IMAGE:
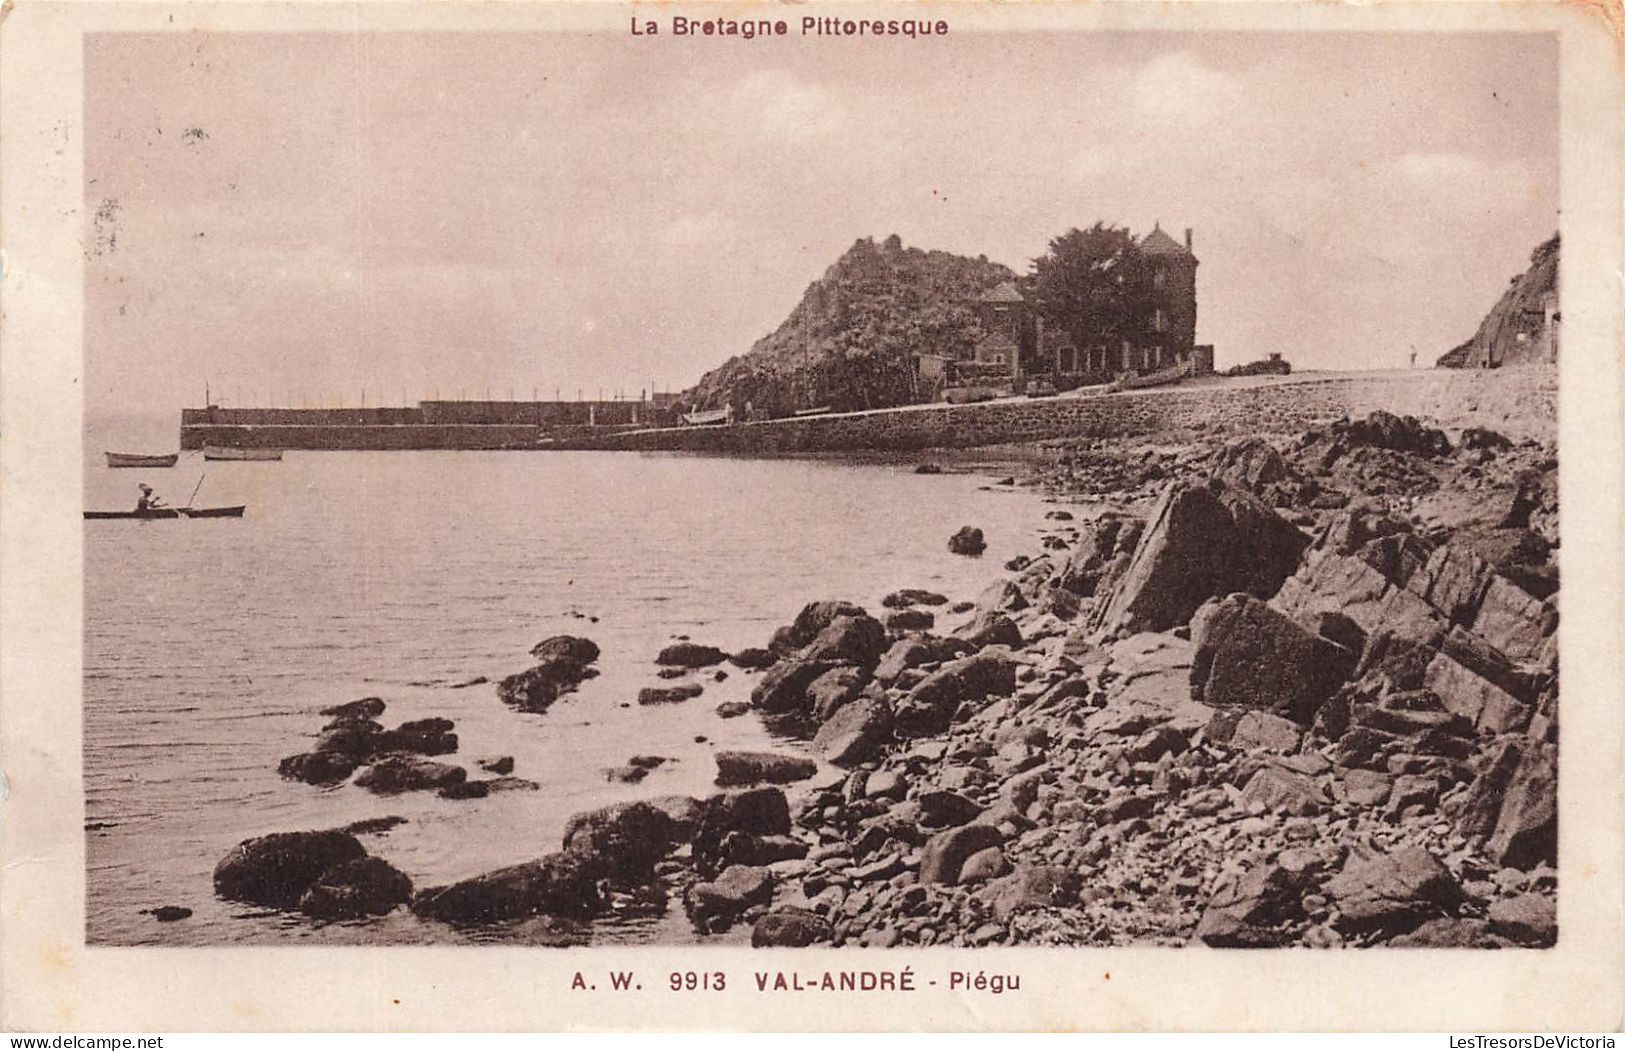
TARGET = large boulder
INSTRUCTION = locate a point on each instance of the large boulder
(1513, 803)
(317, 768)
(791, 928)
(1250, 656)
(915, 651)
(355, 711)
(763, 811)
(561, 884)
(690, 655)
(911, 619)
(967, 541)
(1384, 430)
(394, 774)
(1514, 621)
(834, 689)
(560, 671)
(364, 887)
(810, 622)
(1476, 681)
(276, 870)
(783, 690)
(753, 812)
(1201, 541)
(905, 597)
(623, 841)
(1528, 919)
(357, 738)
(572, 648)
(1102, 552)
(1453, 581)
(990, 628)
(753, 768)
(1277, 788)
(715, 905)
(422, 736)
(1350, 586)
(859, 639)
(929, 707)
(1252, 910)
(753, 658)
(683, 691)
(1029, 887)
(941, 808)
(1386, 894)
(856, 732)
(1257, 466)
(945, 853)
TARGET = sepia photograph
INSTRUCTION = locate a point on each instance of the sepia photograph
(825, 477)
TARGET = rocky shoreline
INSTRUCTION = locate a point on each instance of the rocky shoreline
(1246, 693)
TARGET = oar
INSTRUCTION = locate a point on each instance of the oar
(187, 510)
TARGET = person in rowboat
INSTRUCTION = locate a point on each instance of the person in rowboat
(148, 502)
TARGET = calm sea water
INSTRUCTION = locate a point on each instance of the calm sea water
(210, 645)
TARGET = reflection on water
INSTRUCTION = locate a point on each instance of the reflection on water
(210, 646)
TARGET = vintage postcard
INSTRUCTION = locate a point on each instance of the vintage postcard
(811, 516)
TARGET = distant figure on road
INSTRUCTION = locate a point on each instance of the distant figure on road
(147, 502)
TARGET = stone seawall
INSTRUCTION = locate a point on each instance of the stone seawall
(403, 436)
(1519, 402)
(1263, 407)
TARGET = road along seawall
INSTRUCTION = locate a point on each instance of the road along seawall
(1521, 405)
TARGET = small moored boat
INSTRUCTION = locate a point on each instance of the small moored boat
(172, 512)
(223, 452)
(141, 460)
(710, 417)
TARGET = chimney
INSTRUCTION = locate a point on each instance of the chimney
(1188, 240)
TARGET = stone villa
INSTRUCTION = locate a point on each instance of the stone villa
(1016, 344)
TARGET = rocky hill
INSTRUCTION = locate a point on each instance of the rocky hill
(1515, 331)
(849, 343)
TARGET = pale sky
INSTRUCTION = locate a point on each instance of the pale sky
(463, 213)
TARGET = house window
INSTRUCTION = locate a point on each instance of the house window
(1159, 277)
(1158, 322)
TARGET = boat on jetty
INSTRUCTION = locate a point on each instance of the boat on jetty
(171, 512)
(141, 460)
(231, 452)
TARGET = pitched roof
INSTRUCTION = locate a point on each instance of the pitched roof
(1004, 293)
(1157, 242)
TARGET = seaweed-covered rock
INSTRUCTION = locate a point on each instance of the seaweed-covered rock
(367, 886)
(751, 768)
(623, 841)
(562, 884)
(967, 541)
(276, 870)
(690, 655)
(393, 774)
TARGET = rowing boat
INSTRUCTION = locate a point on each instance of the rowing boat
(172, 512)
(224, 452)
(141, 460)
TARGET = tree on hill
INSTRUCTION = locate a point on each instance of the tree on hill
(1093, 285)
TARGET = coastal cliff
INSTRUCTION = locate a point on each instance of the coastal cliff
(1523, 325)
